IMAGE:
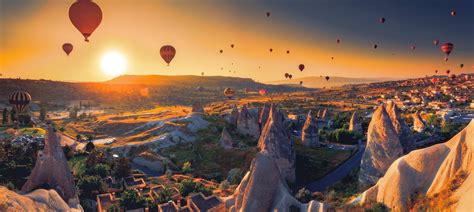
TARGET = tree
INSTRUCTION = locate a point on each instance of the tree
(187, 167)
(5, 116)
(90, 137)
(130, 200)
(78, 137)
(303, 195)
(68, 152)
(42, 115)
(88, 184)
(90, 146)
(235, 176)
(95, 157)
(121, 168)
(101, 170)
(224, 185)
(186, 187)
(164, 195)
(13, 115)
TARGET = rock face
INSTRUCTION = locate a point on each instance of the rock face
(430, 172)
(153, 161)
(418, 124)
(325, 115)
(226, 140)
(247, 124)
(309, 135)
(275, 139)
(355, 125)
(383, 147)
(234, 115)
(51, 168)
(263, 116)
(38, 200)
(197, 107)
(401, 128)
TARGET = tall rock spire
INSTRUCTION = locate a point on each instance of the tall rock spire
(401, 128)
(247, 124)
(309, 135)
(418, 124)
(354, 124)
(51, 169)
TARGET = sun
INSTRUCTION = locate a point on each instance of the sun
(113, 63)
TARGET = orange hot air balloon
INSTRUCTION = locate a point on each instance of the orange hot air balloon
(301, 82)
(290, 76)
(436, 71)
(447, 48)
(221, 51)
(229, 93)
(67, 47)
(436, 42)
(167, 52)
(301, 67)
(286, 75)
(262, 92)
(86, 16)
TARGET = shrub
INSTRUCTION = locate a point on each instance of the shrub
(101, 170)
(88, 184)
(234, 176)
(130, 200)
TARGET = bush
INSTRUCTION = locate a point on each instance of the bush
(303, 195)
(187, 167)
(88, 184)
(164, 195)
(186, 187)
(96, 157)
(90, 146)
(101, 170)
(130, 200)
(235, 176)
(121, 168)
(68, 152)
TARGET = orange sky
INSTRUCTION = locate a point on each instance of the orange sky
(31, 45)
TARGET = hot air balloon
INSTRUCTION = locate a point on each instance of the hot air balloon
(332, 58)
(453, 12)
(434, 80)
(436, 71)
(167, 52)
(262, 92)
(221, 51)
(446, 59)
(462, 65)
(86, 16)
(268, 14)
(231, 45)
(286, 75)
(447, 48)
(290, 76)
(287, 51)
(382, 20)
(229, 93)
(19, 100)
(338, 41)
(327, 78)
(67, 47)
(375, 46)
(301, 82)
(413, 48)
(301, 67)
(436, 42)
(202, 73)
(448, 71)
(271, 50)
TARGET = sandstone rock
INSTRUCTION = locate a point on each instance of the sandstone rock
(51, 168)
(247, 123)
(383, 147)
(309, 135)
(418, 124)
(197, 107)
(226, 140)
(38, 200)
(234, 115)
(355, 125)
(325, 115)
(430, 172)
(263, 116)
(275, 139)
(401, 128)
(153, 161)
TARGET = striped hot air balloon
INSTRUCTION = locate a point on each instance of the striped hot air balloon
(167, 52)
(447, 48)
(19, 100)
(229, 93)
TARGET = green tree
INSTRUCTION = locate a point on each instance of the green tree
(224, 185)
(95, 157)
(164, 195)
(89, 146)
(187, 167)
(186, 187)
(101, 170)
(130, 200)
(234, 176)
(68, 152)
(88, 184)
(303, 195)
(121, 168)
(42, 115)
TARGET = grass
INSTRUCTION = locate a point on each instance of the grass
(77, 165)
(314, 163)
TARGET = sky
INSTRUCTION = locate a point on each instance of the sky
(33, 31)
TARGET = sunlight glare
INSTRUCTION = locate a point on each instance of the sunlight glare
(113, 63)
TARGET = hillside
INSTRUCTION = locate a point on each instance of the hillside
(319, 82)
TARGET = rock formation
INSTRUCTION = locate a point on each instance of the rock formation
(38, 200)
(401, 128)
(51, 169)
(318, 115)
(325, 115)
(247, 123)
(226, 140)
(275, 139)
(442, 172)
(153, 161)
(383, 147)
(355, 125)
(234, 115)
(263, 116)
(197, 107)
(309, 135)
(418, 124)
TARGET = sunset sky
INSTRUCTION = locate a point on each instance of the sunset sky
(33, 31)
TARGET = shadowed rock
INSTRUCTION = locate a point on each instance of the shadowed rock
(197, 107)
(383, 147)
(234, 115)
(263, 116)
(51, 168)
(247, 124)
(418, 124)
(226, 140)
(309, 135)
(325, 115)
(38, 200)
(355, 125)
(401, 128)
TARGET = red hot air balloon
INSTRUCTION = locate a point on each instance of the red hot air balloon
(448, 71)
(447, 48)
(434, 80)
(271, 50)
(231, 45)
(301, 67)
(86, 16)
(67, 47)
(287, 51)
(262, 92)
(19, 100)
(327, 78)
(167, 52)
(338, 41)
(453, 12)
(229, 93)
(436, 42)
(221, 51)
(382, 20)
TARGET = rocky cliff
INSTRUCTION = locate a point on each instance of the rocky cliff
(226, 141)
(355, 124)
(383, 147)
(401, 128)
(309, 135)
(247, 123)
(38, 200)
(234, 115)
(442, 173)
(418, 124)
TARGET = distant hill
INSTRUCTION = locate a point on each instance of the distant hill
(319, 82)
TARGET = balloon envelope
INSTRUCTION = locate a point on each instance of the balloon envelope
(86, 16)
(19, 100)
(327, 78)
(262, 92)
(436, 42)
(301, 67)
(382, 20)
(229, 92)
(447, 48)
(167, 52)
(67, 47)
